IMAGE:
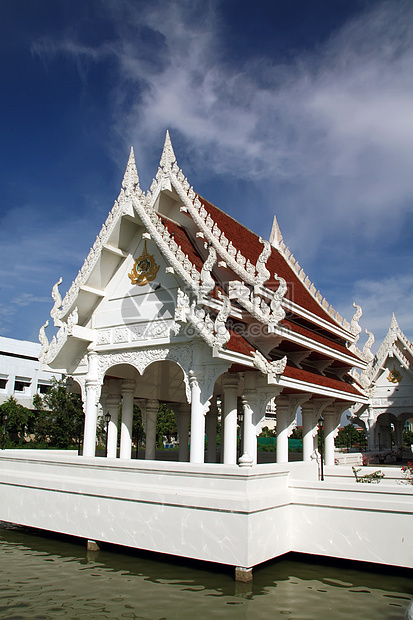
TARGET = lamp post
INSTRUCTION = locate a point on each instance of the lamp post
(137, 439)
(107, 418)
(240, 420)
(4, 430)
(320, 428)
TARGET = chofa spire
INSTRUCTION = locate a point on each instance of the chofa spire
(168, 156)
(276, 236)
(131, 179)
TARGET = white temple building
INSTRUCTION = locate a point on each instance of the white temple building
(177, 302)
(388, 382)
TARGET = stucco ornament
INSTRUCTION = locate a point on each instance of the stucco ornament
(272, 369)
(44, 342)
(255, 301)
(207, 281)
(212, 330)
(355, 328)
(57, 298)
(130, 183)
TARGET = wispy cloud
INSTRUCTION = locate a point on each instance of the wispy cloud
(326, 136)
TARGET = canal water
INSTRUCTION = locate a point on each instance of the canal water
(46, 577)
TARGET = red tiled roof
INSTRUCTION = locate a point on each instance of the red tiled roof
(299, 329)
(182, 239)
(328, 382)
(239, 344)
(249, 245)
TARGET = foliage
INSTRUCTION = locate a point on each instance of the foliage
(59, 419)
(272, 447)
(137, 424)
(408, 472)
(407, 438)
(374, 478)
(14, 422)
(165, 424)
(297, 433)
(266, 432)
(349, 436)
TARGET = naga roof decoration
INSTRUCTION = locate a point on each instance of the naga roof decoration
(227, 272)
(388, 348)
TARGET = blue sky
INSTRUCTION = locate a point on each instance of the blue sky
(295, 108)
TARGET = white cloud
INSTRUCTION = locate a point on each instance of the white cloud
(327, 137)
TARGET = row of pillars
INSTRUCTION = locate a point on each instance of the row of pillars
(202, 416)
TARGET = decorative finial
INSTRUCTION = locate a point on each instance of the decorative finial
(367, 354)
(275, 236)
(57, 298)
(394, 324)
(131, 179)
(355, 328)
(168, 156)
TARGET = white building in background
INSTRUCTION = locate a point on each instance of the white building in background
(388, 380)
(21, 375)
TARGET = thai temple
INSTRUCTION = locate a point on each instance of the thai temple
(177, 303)
(388, 382)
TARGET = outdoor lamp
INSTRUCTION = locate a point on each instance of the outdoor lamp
(320, 425)
(107, 418)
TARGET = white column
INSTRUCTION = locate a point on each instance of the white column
(152, 407)
(211, 432)
(330, 425)
(112, 407)
(309, 431)
(182, 421)
(398, 434)
(197, 419)
(229, 420)
(250, 437)
(282, 435)
(91, 406)
(128, 391)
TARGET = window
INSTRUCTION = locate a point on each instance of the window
(42, 388)
(3, 383)
(21, 383)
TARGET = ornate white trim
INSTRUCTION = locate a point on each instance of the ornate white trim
(214, 333)
(253, 301)
(208, 282)
(254, 275)
(142, 358)
(166, 243)
(272, 369)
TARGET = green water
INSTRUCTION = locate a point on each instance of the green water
(43, 577)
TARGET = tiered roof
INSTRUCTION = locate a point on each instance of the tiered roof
(238, 278)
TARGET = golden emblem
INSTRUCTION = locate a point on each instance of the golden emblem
(394, 376)
(145, 269)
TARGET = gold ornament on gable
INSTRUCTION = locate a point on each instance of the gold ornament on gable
(145, 269)
(394, 376)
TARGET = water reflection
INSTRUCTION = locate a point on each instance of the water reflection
(46, 577)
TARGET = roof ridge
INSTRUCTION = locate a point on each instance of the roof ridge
(289, 257)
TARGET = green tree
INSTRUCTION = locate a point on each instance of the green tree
(165, 424)
(14, 421)
(349, 436)
(407, 437)
(266, 432)
(297, 433)
(60, 416)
